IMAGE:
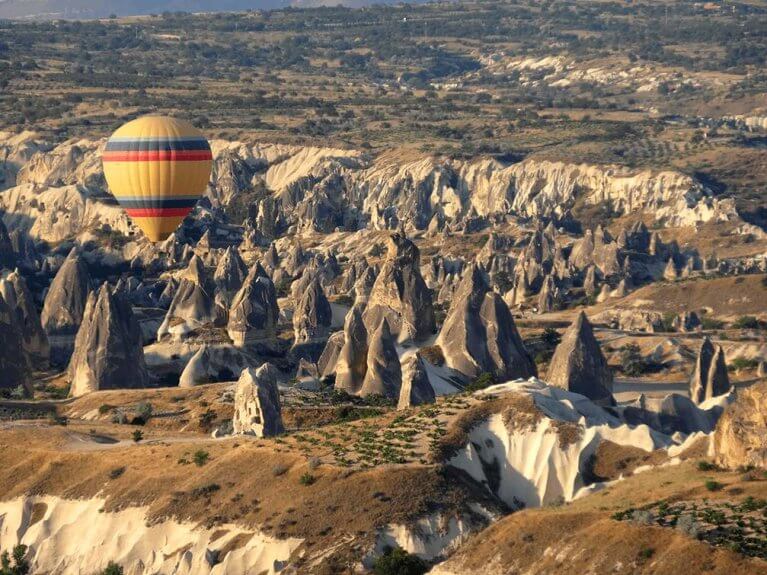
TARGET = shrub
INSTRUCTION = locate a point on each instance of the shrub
(313, 463)
(482, 381)
(116, 472)
(551, 337)
(713, 485)
(105, 408)
(112, 568)
(138, 435)
(646, 552)
(206, 419)
(307, 479)
(632, 362)
(399, 562)
(201, 457)
(707, 466)
(433, 354)
(143, 412)
(746, 322)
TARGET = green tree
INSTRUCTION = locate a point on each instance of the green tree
(399, 562)
(112, 568)
(15, 563)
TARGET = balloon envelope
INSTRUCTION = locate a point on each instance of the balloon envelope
(157, 167)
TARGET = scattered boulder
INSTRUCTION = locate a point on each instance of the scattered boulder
(739, 436)
(108, 351)
(579, 366)
(479, 334)
(709, 378)
(257, 409)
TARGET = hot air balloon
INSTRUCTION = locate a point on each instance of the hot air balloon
(157, 167)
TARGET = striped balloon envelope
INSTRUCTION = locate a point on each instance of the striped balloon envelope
(157, 167)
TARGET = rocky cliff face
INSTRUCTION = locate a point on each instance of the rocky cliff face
(108, 351)
(59, 192)
(14, 365)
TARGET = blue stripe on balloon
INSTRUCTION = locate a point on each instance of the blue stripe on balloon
(157, 203)
(156, 144)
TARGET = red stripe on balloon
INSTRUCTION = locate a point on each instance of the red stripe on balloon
(156, 212)
(158, 156)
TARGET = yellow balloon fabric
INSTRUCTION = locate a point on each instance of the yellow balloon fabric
(157, 167)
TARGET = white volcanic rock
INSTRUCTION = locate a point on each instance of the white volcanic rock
(579, 366)
(35, 341)
(257, 409)
(254, 313)
(15, 151)
(58, 213)
(108, 351)
(479, 334)
(193, 304)
(535, 454)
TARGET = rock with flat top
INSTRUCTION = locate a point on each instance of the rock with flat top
(257, 408)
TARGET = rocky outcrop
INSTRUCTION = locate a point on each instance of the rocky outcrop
(212, 364)
(14, 366)
(257, 408)
(108, 351)
(400, 294)
(194, 305)
(351, 366)
(416, 388)
(312, 316)
(384, 373)
(228, 277)
(479, 334)
(739, 436)
(709, 378)
(66, 298)
(34, 339)
(254, 312)
(687, 321)
(579, 366)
